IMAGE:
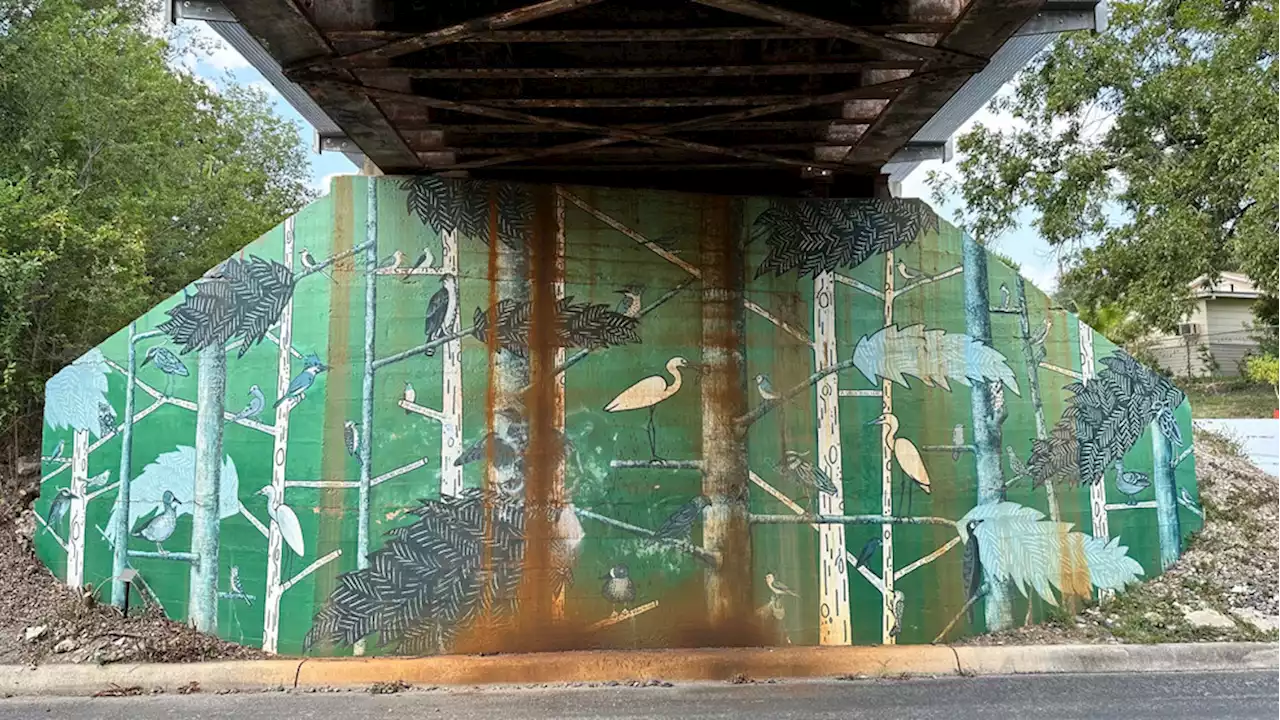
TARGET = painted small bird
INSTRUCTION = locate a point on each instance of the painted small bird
(106, 417)
(351, 437)
(168, 363)
(393, 264)
(906, 273)
(1188, 502)
(158, 527)
(252, 408)
(442, 309)
(679, 526)
(647, 393)
(99, 480)
(798, 468)
(897, 608)
(237, 588)
(618, 588)
(1041, 334)
(1005, 296)
(765, 388)
(1130, 483)
(868, 551)
(777, 587)
(303, 380)
(58, 509)
(998, 408)
(58, 449)
(285, 518)
(1168, 422)
(425, 260)
(971, 567)
(309, 263)
(1017, 468)
(630, 303)
(410, 396)
(957, 442)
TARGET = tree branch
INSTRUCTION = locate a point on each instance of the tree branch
(321, 266)
(926, 280)
(684, 545)
(382, 362)
(808, 519)
(764, 407)
(858, 285)
(656, 464)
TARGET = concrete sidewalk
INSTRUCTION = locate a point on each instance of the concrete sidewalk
(610, 665)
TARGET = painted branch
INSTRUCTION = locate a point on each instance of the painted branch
(1033, 384)
(1144, 505)
(102, 491)
(947, 448)
(778, 322)
(335, 258)
(858, 285)
(244, 511)
(61, 543)
(135, 339)
(861, 393)
(656, 464)
(276, 339)
(398, 472)
(1062, 371)
(768, 406)
(323, 484)
(1183, 456)
(186, 557)
(956, 619)
(682, 545)
(411, 352)
(624, 615)
(928, 279)
(607, 220)
(422, 410)
(237, 596)
(808, 519)
(903, 572)
(310, 569)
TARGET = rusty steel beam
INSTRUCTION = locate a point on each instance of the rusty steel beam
(443, 36)
(626, 151)
(832, 29)
(641, 102)
(505, 73)
(616, 134)
(643, 34)
(759, 125)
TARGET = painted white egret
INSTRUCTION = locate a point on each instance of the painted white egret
(647, 393)
(908, 457)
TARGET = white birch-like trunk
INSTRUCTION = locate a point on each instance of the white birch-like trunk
(451, 372)
(76, 513)
(834, 574)
(275, 541)
(558, 412)
(1097, 490)
(887, 619)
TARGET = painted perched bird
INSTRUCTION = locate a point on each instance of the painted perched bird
(679, 526)
(351, 436)
(285, 518)
(58, 509)
(908, 457)
(1130, 483)
(868, 551)
(647, 393)
(765, 388)
(897, 608)
(425, 259)
(168, 363)
(158, 527)
(1167, 422)
(1038, 337)
(58, 449)
(630, 304)
(392, 264)
(905, 272)
(618, 588)
(106, 417)
(971, 568)
(410, 396)
(99, 480)
(252, 408)
(1188, 502)
(1005, 296)
(1017, 468)
(777, 587)
(303, 380)
(797, 467)
(237, 588)
(309, 263)
(442, 308)
(957, 440)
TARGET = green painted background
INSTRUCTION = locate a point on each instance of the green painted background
(328, 320)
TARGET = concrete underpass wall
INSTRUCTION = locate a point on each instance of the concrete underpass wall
(465, 417)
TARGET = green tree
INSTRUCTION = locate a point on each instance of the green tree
(1147, 154)
(121, 179)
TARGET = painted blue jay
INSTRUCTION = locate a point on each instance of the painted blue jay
(303, 380)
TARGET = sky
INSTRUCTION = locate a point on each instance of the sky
(218, 63)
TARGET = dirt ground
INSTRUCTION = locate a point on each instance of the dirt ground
(1227, 575)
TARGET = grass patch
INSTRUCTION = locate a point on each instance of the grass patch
(1229, 398)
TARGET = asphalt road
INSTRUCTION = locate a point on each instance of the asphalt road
(1224, 696)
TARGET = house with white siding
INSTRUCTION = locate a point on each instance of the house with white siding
(1217, 330)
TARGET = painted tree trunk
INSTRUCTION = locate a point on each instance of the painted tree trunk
(202, 609)
(833, 573)
(1170, 532)
(558, 498)
(986, 428)
(279, 454)
(451, 374)
(1097, 488)
(79, 503)
(723, 384)
(366, 381)
(887, 561)
(1033, 383)
(120, 540)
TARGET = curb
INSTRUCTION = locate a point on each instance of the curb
(609, 665)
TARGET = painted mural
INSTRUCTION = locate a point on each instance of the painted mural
(430, 416)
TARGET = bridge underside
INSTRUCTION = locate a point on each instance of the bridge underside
(794, 97)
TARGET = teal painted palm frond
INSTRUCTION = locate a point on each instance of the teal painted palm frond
(1016, 543)
(814, 236)
(462, 205)
(72, 398)
(936, 357)
(175, 471)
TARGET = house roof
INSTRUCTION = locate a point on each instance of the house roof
(1228, 285)
(790, 97)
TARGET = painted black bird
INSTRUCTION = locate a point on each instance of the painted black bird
(618, 588)
(680, 525)
(442, 308)
(58, 509)
(971, 568)
(868, 551)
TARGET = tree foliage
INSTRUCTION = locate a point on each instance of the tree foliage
(1147, 154)
(121, 180)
